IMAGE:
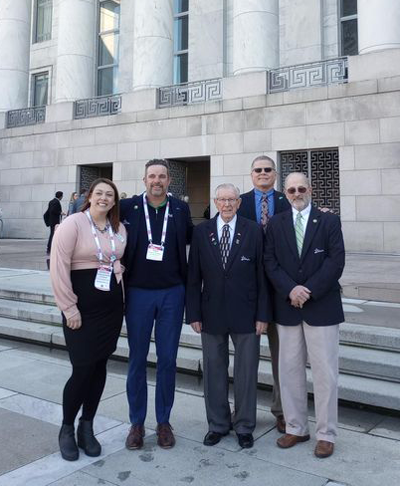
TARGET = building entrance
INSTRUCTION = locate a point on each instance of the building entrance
(191, 182)
(89, 173)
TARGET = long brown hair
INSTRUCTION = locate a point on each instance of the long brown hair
(113, 213)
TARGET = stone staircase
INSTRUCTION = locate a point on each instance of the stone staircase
(369, 354)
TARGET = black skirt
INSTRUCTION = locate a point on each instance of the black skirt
(101, 313)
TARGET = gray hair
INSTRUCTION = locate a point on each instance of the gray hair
(306, 179)
(227, 186)
(266, 158)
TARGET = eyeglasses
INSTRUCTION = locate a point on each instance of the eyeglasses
(224, 201)
(300, 190)
(267, 170)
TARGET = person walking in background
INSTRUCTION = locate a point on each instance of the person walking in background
(72, 199)
(304, 259)
(79, 202)
(86, 275)
(123, 195)
(259, 205)
(159, 227)
(54, 216)
(227, 297)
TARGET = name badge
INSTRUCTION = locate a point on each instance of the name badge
(155, 253)
(103, 278)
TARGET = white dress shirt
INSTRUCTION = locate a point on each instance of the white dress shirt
(305, 215)
(232, 225)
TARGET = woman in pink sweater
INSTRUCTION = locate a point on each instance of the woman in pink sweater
(86, 276)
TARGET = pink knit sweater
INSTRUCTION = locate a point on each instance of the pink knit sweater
(74, 248)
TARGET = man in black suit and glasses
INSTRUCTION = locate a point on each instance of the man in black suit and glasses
(259, 205)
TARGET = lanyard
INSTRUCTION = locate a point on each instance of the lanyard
(113, 256)
(147, 218)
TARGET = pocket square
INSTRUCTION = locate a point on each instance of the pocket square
(318, 250)
(244, 259)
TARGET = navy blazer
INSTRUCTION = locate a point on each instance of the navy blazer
(230, 299)
(318, 268)
(248, 206)
(131, 209)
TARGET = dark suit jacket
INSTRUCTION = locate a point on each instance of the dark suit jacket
(319, 268)
(248, 206)
(131, 209)
(55, 211)
(229, 300)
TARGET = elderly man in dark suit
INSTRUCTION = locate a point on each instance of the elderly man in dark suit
(226, 296)
(304, 256)
(259, 205)
(55, 212)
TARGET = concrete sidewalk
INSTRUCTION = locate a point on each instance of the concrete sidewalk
(31, 383)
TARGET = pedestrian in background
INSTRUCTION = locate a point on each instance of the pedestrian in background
(86, 276)
(72, 199)
(54, 213)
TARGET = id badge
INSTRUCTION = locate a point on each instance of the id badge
(103, 278)
(155, 253)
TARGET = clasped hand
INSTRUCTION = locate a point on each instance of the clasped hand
(299, 296)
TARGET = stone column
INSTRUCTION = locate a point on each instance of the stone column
(76, 50)
(255, 35)
(15, 23)
(378, 25)
(153, 45)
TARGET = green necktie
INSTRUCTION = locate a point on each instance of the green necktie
(299, 230)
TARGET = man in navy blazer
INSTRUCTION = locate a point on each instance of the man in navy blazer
(227, 297)
(158, 228)
(263, 176)
(304, 258)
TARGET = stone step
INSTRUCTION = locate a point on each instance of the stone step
(379, 338)
(357, 389)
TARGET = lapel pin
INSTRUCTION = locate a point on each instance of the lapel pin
(135, 207)
(315, 221)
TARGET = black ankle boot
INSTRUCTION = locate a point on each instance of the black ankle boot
(66, 439)
(86, 439)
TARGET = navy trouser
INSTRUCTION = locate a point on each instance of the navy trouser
(144, 308)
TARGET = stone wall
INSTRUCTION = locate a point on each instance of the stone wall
(361, 119)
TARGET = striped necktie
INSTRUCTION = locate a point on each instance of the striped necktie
(299, 230)
(224, 244)
(264, 212)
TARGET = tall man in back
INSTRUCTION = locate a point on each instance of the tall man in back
(259, 205)
(158, 226)
(55, 213)
(227, 297)
(304, 257)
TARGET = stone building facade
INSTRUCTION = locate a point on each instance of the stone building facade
(101, 86)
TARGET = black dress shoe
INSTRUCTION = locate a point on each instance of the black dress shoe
(213, 438)
(245, 440)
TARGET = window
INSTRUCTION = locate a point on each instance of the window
(322, 168)
(40, 89)
(108, 44)
(43, 17)
(181, 41)
(348, 28)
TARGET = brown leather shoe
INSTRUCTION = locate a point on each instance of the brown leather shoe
(280, 424)
(290, 440)
(324, 449)
(166, 438)
(135, 437)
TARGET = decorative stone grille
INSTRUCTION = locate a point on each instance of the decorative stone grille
(100, 106)
(322, 168)
(307, 75)
(26, 116)
(177, 170)
(189, 93)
